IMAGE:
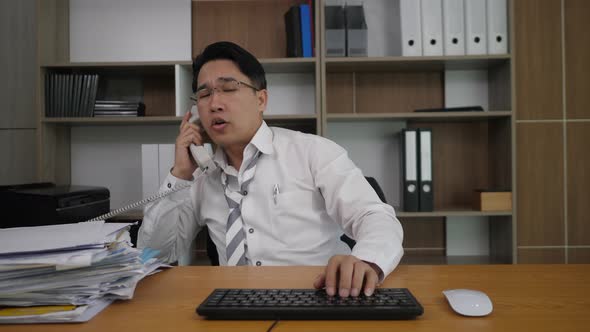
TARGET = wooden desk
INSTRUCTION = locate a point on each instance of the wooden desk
(526, 298)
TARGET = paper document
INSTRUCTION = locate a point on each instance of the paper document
(43, 238)
(68, 273)
(78, 314)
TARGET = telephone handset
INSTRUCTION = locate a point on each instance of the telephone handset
(201, 156)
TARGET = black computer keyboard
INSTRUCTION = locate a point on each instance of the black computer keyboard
(308, 304)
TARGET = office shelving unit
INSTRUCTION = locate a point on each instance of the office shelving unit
(472, 150)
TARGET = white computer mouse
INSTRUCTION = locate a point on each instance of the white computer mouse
(468, 302)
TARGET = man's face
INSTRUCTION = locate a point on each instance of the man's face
(231, 114)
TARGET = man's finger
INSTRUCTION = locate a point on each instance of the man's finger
(346, 269)
(358, 276)
(371, 280)
(319, 281)
(185, 119)
(189, 138)
(331, 276)
(197, 134)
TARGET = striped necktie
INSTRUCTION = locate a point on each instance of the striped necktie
(235, 237)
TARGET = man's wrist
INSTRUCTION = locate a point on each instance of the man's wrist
(181, 175)
(377, 269)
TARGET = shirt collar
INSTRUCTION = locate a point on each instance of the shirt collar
(262, 141)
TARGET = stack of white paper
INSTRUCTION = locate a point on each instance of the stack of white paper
(68, 273)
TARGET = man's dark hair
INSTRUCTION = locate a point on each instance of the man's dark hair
(246, 62)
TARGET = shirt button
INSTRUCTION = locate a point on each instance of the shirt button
(169, 185)
(251, 230)
(258, 263)
(245, 192)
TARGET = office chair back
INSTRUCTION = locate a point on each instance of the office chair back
(381, 195)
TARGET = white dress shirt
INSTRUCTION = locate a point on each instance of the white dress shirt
(305, 193)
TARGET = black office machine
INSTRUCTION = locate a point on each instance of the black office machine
(47, 204)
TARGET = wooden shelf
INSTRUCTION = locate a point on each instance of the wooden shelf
(271, 65)
(161, 120)
(417, 63)
(116, 64)
(290, 117)
(288, 65)
(155, 120)
(419, 115)
(453, 213)
(332, 64)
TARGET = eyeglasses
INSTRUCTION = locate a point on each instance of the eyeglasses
(224, 85)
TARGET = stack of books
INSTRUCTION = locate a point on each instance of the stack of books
(70, 95)
(118, 108)
(68, 273)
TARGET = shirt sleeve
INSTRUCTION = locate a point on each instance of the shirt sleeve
(170, 224)
(352, 202)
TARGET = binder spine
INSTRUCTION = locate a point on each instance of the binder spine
(68, 98)
(76, 95)
(497, 17)
(454, 27)
(47, 101)
(425, 174)
(311, 4)
(305, 16)
(62, 95)
(293, 32)
(92, 96)
(475, 27)
(411, 27)
(410, 170)
(432, 27)
(79, 86)
(86, 91)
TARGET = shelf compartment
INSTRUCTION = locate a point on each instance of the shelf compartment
(152, 84)
(399, 91)
(426, 234)
(256, 25)
(368, 92)
(425, 238)
(468, 156)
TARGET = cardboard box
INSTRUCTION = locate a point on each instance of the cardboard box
(493, 200)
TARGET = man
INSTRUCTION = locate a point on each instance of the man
(278, 197)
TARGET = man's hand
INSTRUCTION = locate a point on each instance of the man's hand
(349, 276)
(184, 164)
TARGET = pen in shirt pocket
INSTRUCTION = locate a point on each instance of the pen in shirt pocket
(275, 192)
